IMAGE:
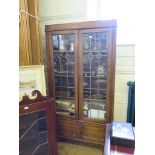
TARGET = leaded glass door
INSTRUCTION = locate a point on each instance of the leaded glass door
(64, 52)
(94, 74)
(33, 134)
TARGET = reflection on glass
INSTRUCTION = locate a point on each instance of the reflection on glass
(64, 72)
(97, 41)
(95, 48)
(95, 45)
(63, 43)
(33, 137)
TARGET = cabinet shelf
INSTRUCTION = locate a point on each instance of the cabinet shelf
(62, 97)
(94, 100)
(95, 89)
(101, 51)
(65, 114)
(68, 76)
(64, 111)
(95, 76)
(67, 87)
(64, 52)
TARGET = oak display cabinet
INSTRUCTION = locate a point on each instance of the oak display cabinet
(81, 74)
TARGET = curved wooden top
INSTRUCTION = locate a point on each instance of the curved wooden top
(39, 98)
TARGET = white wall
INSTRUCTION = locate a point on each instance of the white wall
(60, 11)
(125, 71)
(65, 11)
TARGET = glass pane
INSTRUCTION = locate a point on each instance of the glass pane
(95, 48)
(33, 136)
(64, 48)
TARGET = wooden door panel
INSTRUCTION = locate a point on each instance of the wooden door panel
(66, 128)
(93, 132)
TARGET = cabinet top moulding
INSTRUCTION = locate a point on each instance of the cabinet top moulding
(81, 25)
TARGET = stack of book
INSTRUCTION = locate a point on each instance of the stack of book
(122, 134)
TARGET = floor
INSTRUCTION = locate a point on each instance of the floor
(76, 149)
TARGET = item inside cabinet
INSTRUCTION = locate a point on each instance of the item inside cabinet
(95, 113)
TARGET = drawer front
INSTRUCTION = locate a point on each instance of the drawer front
(66, 128)
(93, 132)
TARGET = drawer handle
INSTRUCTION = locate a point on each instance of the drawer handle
(25, 108)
